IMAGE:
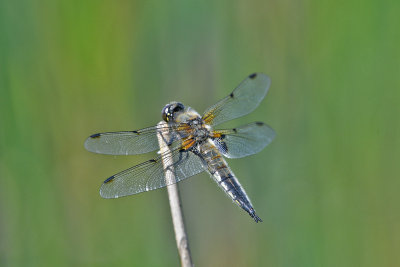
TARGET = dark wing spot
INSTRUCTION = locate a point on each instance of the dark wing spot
(252, 76)
(231, 95)
(152, 160)
(223, 136)
(109, 180)
(136, 132)
(221, 145)
(259, 123)
(234, 130)
(95, 135)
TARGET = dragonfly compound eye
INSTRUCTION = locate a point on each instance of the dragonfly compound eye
(178, 107)
(169, 110)
(165, 113)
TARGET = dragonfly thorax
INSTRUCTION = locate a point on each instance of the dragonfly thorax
(201, 131)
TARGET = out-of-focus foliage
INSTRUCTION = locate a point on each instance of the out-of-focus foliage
(326, 188)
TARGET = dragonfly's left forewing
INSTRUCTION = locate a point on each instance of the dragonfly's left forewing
(128, 142)
(123, 143)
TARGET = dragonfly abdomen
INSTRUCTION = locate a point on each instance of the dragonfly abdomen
(226, 179)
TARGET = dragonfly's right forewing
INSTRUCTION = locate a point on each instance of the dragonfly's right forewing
(243, 100)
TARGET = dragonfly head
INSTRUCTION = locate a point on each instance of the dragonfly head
(171, 111)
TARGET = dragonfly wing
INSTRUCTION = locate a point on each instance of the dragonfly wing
(149, 175)
(245, 140)
(124, 143)
(243, 100)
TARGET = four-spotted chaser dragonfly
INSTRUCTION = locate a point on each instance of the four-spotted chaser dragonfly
(194, 146)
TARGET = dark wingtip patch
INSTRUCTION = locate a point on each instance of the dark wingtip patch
(258, 123)
(234, 130)
(109, 180)
(136, 132)
(231, 95)
(95, 135)
(252, 76)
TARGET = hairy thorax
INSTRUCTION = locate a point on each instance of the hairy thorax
(201, 131)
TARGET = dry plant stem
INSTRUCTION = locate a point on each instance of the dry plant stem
(174, 201)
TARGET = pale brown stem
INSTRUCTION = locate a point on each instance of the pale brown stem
(173, 195)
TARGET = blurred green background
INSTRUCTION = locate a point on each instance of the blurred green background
(327, 188)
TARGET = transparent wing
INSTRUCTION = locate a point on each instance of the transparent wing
(149, 175)
(126, 142)
(243, 100)
(244, 140)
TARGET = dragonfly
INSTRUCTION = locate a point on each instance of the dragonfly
(193, 145)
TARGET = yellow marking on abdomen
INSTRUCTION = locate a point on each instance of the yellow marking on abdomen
(216, 157)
